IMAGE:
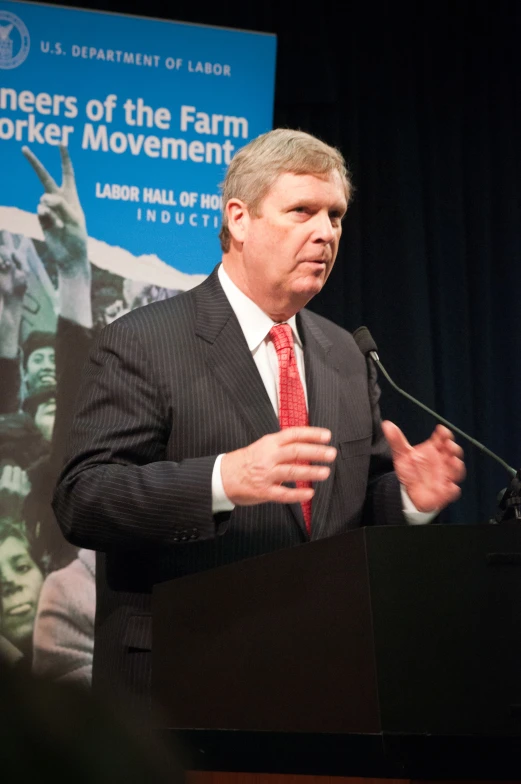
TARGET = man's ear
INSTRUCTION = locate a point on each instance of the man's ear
(238, 219)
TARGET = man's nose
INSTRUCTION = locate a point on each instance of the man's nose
(324, 228)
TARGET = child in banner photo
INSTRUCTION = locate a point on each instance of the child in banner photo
(52, 301)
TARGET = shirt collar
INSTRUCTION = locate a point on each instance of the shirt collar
(254, 323)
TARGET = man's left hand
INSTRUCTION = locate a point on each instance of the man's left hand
(430, 472)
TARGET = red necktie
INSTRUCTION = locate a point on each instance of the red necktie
(292, 402)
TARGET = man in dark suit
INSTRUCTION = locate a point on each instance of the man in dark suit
(177, 462)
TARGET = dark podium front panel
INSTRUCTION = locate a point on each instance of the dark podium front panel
(380, 633)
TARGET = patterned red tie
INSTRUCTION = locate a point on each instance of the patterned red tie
(292, 402)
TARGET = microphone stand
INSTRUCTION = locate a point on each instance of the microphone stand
(509, 506)
(509, 503)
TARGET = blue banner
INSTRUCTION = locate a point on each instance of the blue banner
(115, 133)
(151, 113)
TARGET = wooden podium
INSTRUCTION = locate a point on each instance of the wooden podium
(386, 652)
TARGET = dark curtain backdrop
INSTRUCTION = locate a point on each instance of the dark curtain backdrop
(423, 98)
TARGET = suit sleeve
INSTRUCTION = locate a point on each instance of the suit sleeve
(116, 487)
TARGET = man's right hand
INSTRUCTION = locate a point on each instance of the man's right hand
(256, 474)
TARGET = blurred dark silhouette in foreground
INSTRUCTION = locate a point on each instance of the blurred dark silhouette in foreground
(55, 732)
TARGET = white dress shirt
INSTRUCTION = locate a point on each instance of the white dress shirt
(256, 326)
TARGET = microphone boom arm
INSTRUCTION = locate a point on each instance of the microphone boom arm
(509, 502)
(374, 356)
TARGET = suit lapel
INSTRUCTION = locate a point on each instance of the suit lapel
(323, 387)
(231, 361)
(230, 358)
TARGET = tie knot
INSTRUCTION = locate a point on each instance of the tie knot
(282, 337)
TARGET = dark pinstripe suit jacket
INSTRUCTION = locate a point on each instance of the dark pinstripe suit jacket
(168, 388)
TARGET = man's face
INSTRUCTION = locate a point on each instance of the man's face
(289, 250)
(41, 369)
(20, 582)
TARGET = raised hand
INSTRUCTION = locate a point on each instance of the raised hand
(430, 472)
(14, 487)
(13, 269)
(13, 284)
(256, 473)
(65, 231)
(61, 216)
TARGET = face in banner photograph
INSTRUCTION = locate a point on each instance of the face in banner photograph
(113, 203)
(21, 580)
(41, 356)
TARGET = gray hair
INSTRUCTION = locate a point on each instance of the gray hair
(256, 166)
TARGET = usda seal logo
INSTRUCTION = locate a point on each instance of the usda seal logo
(14, 40)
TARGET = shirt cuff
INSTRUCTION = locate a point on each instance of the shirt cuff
(411, 514)
(220, 501)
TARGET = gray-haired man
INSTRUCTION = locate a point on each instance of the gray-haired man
(178, 461)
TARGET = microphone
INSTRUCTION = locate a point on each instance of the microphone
(365, 342)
